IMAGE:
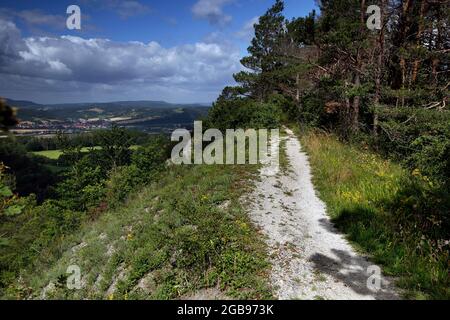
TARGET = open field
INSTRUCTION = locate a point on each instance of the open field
(55, 154)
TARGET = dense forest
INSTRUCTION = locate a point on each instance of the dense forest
(380, 91)
(388, 88)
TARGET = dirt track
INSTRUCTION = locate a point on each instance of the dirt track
(310, 259)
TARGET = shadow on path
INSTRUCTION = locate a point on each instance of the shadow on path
(352, 271)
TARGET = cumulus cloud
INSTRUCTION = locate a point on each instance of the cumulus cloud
(212, 10)
(10, 43)
(105, 64)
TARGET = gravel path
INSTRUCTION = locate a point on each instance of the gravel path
(310, 259)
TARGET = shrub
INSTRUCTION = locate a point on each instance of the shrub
(419, 138)
(83, 186)
(290, 110)
(115, 145)
(150, 159)
(244, 114)
(9, 205)
(121, 182)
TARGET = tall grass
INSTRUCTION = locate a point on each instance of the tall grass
(398, 218)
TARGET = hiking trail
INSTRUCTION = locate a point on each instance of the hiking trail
(310, 258)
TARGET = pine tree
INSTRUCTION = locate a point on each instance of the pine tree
(262, 61)
(343, 41)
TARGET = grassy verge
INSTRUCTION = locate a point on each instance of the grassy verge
(386, 212)
(284, 161)
(184, 233)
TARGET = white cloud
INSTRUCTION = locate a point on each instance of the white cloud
(192, 69)
(212, 10)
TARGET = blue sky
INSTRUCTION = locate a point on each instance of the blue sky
(175, 50)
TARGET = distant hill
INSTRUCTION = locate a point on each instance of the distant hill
(152, 116)
(112, 104)
(22, 103)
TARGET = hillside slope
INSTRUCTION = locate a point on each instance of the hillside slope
(185, 233)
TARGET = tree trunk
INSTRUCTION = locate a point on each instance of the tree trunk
(379, 68)
(406, 6)
(359, 67)
(356, 103)
(416, 63)
(403, 68)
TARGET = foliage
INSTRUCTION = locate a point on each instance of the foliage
(32, 231)
(33, 236)
(8, 202)
(244, 113)
(419, 138)
(31, 174)
(151, 157)
(115, 146)
(83, 186)
(122, 181)
(7, 116)
(268, 32)
(388, 91)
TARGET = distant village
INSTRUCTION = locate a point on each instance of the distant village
(46, 127)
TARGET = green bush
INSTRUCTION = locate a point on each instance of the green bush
(151, 158)
(240, 113)
(83, 186)
(422, 208)
(419, 138)
(121, 182)
(289, 109)
(432, 156)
